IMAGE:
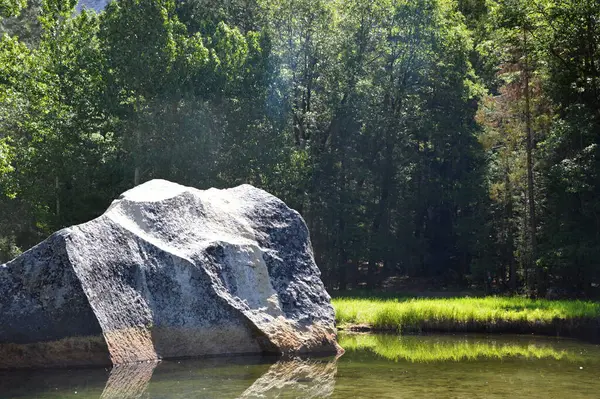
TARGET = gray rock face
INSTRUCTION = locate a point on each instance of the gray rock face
(168, 271)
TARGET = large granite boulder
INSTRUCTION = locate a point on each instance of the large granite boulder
(168, 271)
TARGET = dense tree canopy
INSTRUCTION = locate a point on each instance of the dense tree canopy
(454, 141)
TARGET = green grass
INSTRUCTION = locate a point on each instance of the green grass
(438, 349)
(464, 314)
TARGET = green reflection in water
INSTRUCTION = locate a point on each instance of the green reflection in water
(374, 366)
(422, 349)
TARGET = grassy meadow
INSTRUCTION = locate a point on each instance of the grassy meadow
(487, 314)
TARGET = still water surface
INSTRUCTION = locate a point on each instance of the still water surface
(374, 366)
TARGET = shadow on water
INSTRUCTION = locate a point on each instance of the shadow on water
(230, 377)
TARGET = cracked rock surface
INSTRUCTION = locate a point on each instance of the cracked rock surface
(168, 271)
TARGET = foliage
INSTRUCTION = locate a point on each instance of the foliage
(9, 8)
(452, 141)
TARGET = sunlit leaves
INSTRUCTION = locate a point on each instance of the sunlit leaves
(9, 8)
(230, 49)
(6, 157)
(140, 39)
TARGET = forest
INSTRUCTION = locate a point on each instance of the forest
(453, 142)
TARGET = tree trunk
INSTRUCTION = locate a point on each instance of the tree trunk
(138, 144)
(341, 233)
(381, 222)
(510, 256)
(57, 194)
(530, 183)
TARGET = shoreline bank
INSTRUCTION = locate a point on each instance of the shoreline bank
(490, 315)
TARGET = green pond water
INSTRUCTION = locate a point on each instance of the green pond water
(374, 366)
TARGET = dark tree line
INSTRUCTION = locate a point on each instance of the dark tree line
(450, 141)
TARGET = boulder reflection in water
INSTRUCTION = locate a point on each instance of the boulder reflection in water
(128, 381)
(298, 378)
